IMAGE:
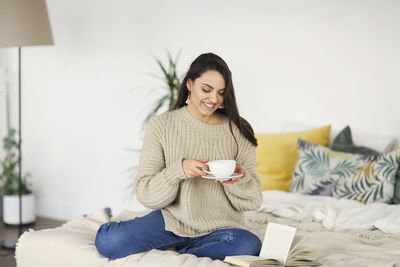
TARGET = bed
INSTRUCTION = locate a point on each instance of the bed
(342, 232)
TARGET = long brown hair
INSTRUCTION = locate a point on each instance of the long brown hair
(210, 61)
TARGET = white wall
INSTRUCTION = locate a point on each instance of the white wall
(312, 62)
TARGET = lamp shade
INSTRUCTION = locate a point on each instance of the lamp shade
(24, 23)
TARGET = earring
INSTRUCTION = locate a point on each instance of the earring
(188, 99)
(221, 107)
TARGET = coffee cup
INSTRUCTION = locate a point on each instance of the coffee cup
(221, 168)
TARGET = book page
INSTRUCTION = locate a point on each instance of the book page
(247, 260)
(241, 260)
(277, 242)
(297, 241)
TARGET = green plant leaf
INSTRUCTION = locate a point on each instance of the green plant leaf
(171, 84)
(9, 177)
(159, 105)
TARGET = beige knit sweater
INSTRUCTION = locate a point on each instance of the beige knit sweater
(194, 207)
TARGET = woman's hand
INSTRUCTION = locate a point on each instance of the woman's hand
(238, 169)
(192, 168)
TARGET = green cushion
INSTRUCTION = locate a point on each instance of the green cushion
(343, 142)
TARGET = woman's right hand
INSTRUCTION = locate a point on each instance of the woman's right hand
(193, 168)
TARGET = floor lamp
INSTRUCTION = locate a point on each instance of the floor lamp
(23, 23)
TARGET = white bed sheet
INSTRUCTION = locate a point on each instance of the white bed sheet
(73, 243)
(332, 213)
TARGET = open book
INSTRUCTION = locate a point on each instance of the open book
(281, 247)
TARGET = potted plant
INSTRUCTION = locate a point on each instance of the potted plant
(172, 83)
(168, 95)
(9, 185)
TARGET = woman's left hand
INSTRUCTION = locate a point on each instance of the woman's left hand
(238, 169)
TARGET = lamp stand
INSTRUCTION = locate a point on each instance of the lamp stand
(11, 243)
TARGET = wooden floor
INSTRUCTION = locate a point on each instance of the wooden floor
(11, 232)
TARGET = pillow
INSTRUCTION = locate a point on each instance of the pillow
(343, 142)
(277, 155)
(365, 178)
(396, 197)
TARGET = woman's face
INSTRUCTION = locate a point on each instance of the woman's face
(206, 93)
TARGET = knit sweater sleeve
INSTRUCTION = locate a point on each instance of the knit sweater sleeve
(156, 185)
(245, 194)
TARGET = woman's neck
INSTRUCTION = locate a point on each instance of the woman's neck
(214, 118)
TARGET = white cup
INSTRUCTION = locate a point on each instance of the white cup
(221, 168)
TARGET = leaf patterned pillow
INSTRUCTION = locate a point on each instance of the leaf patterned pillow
(365, 178)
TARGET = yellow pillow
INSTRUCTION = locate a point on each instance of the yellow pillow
(277, 155)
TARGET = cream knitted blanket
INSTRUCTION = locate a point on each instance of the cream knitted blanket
(73, 245)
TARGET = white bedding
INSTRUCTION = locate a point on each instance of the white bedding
(73, 243)
(331, 212)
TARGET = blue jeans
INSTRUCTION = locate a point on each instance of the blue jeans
(119, 239)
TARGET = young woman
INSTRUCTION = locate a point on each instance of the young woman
(192, 214)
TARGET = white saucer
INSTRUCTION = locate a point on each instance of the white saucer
(234, 175)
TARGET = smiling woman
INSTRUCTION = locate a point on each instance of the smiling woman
(205, 99)
(192, 214)
(211, 74)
